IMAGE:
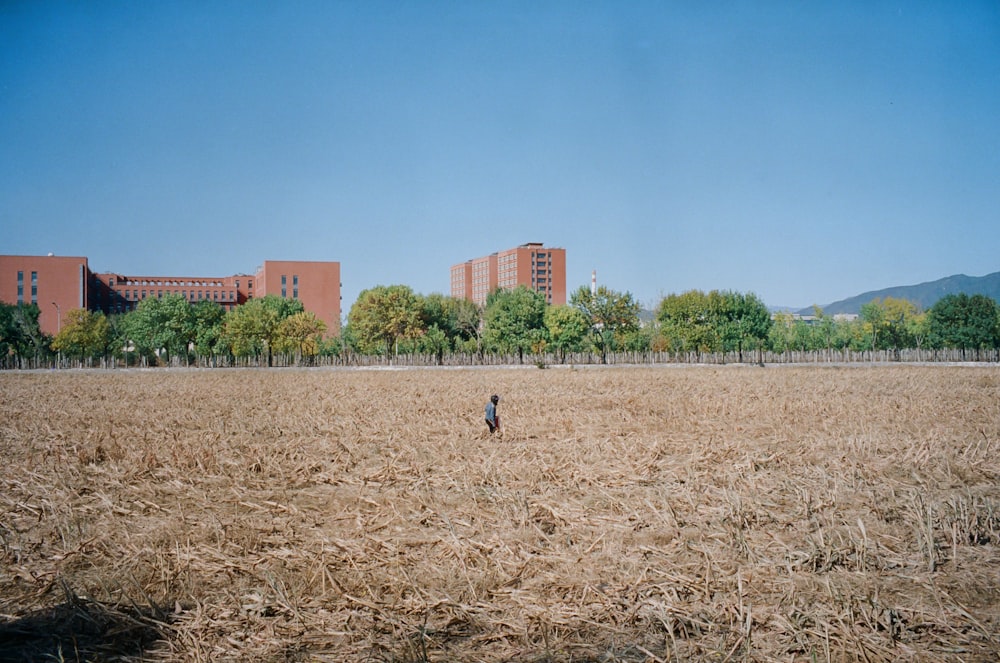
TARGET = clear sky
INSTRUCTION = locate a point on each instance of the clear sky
(803, 151)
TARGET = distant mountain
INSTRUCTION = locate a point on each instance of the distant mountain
(924, 295)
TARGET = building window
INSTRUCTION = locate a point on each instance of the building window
(111, 282)
(143, 294)
(295, 286)
(34, 287)
(284, 292)
(20, 287)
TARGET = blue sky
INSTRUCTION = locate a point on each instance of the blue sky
(803, 151)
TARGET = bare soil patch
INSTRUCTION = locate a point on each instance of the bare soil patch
(627, 514)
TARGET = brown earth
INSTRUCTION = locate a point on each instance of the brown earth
(626, 514)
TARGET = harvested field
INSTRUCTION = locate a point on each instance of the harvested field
(627, 514)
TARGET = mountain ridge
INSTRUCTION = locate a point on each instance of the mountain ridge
(924, 295)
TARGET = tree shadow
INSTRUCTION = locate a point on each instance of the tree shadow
(82, 630)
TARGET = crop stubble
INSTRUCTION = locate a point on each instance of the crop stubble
(627, 514)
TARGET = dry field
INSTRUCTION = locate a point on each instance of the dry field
(627, 514)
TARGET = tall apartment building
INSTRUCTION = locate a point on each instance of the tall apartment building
(474, 279)
(59, 284)
(533, 265)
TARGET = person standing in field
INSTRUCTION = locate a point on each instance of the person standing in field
(492, 418)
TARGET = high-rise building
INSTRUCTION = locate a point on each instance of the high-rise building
(60, 284)
(461, 280)
(540, 268)
(474, 279)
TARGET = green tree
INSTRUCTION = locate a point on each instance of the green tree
(248, 329)
(300, 333)
(20, 334)
(642, 339)
(163, 327)
(438, 310)
(874, 323)
(917, 329)
(468, 326)
(610, 314)
(282, 306)
(568, 327)
(887, 323)
(207, 318)
(457, 319)
(964, 322)
(741, 320)
(825, 327)
(384, 315)
(514, 321)
(251, 329)
(119, 343)
(722, 320)
(789, 332)
(332, 346)
(84, 334)
(686, 322)
(845, 333)
(779, 339)
(141, 332)
(899, 316)
(857, 336)
(349, 341)
(434, 341)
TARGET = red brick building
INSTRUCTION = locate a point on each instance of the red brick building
(118, 293)
(474, 279)
(315, 284)
(533, 265)
(59, 284)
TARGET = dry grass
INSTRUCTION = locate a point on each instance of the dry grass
(628, 514)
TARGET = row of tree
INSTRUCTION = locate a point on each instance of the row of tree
(392, 320)
(160, 329)
(963, 322)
